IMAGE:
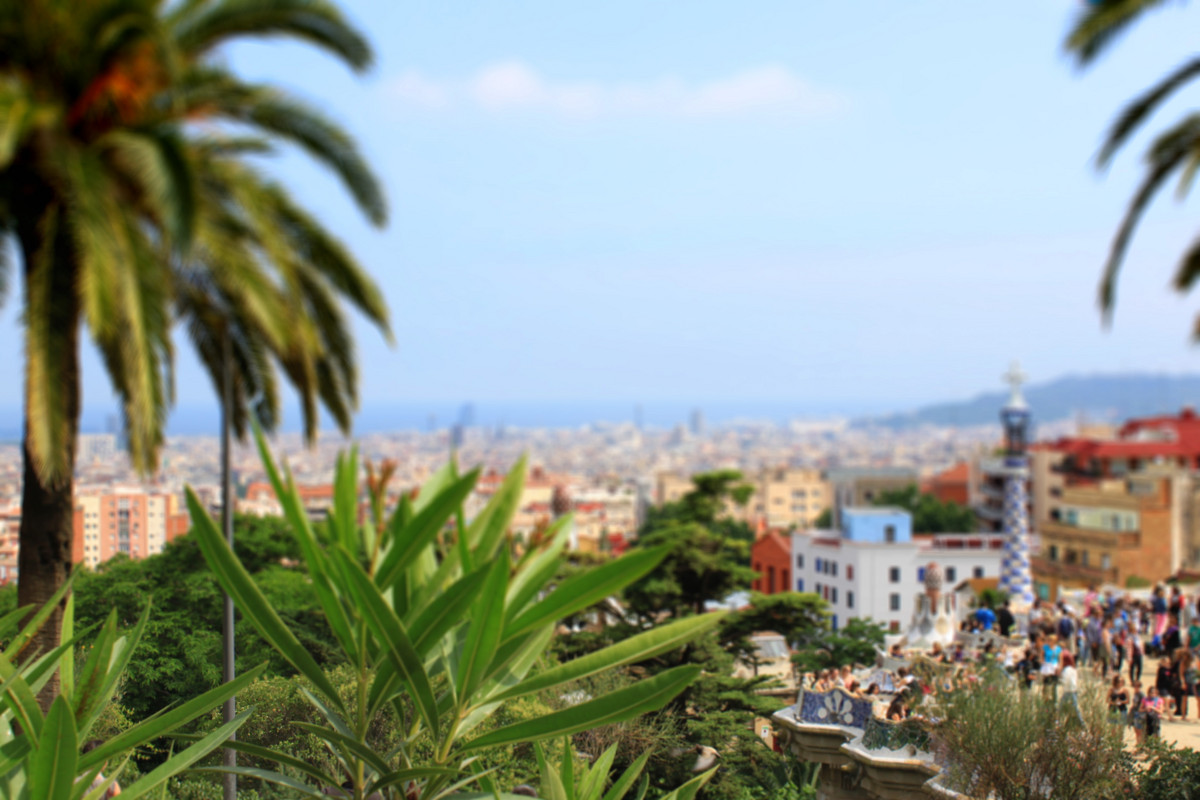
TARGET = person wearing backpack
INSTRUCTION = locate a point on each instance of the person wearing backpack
(1066, 631)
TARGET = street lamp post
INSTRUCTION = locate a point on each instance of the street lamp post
(230, 709)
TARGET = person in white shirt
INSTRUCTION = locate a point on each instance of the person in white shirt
(1068, 684)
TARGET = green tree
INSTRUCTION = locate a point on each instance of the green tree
(708, 555)
(929, 514)
(125, 186)
(179, 655)
(1174, 152)
(700, 566)
(824, 520)
(854, 643)
(797, 616)
(705, 505)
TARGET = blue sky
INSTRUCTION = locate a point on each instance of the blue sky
(866, 203)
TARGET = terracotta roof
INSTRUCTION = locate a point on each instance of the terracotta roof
(959, 473)
(1180, 438)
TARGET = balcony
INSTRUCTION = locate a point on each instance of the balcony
(989, 512)
(1045, 568)
(993, 491)
(995, 467)
(1060, 533)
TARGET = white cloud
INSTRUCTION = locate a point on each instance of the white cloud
(513, 86)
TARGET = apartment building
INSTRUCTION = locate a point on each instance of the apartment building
(260, 500)
(858, 487)
(789, 497)
(134, 522)
(784, 497)
(1121, 508)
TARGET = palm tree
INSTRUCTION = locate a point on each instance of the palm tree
(1176, 151)
(126, 186)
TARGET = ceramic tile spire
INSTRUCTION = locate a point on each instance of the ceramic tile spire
(1015, 577)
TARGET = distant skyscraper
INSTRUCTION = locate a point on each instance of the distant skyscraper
(1015, 576)
(466, 415)
(96, 448)
(697, 422)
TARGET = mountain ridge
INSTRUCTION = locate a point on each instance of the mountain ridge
(1099, 397)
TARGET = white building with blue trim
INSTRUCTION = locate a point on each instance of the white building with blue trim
(875, 566)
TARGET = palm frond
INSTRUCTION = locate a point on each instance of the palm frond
(1101, 22)
(7, 242)
(200, 27)
(156, 161)
(215, 94)
(322, 251)
(1189, 269)
(1136, 112)
(1166, 155)
(126, 303)
(337, 370)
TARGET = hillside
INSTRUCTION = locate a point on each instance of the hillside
(1099, 397)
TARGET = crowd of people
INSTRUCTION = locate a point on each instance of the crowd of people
(1104, 634)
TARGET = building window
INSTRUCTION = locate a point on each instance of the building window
(1083, 558)
(894, 601)
(799, 584)
(920, 574)
(889, 534)
(977, 572)
(894, 627)
(849, 572)
(951, 576)
(1054, 552)
(833, 622)
(834, 569)
(849, 599)
(833, 595)
(818, 565)
(800, 561)
(894, 575)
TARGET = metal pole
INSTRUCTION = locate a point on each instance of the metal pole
(230, 709)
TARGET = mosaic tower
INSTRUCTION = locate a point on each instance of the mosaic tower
(1015, 578)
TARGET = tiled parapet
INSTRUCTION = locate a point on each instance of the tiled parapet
(862, 756)
(835, 707)
(880, 734)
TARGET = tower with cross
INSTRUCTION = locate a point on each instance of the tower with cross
(1016, 579)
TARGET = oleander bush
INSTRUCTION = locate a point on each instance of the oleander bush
(442, 621)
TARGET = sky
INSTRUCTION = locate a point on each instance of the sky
(825, 205)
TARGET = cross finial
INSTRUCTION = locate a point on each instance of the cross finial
(1015, 378)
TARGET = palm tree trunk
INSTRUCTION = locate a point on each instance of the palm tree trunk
(48, 506)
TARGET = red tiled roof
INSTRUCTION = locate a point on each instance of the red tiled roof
(1180, 439)
(959, 473)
